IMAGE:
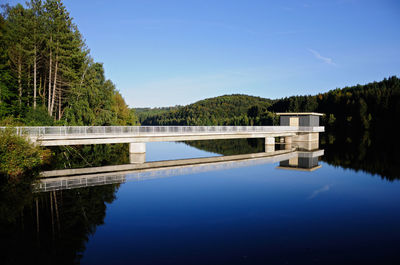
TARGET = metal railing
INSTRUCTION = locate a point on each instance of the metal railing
(145, 130)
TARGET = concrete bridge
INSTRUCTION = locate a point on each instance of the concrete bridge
(299, 129)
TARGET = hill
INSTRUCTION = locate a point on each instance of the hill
(222, 110)
(369, 107)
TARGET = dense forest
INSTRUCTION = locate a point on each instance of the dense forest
(144, 113)
(362, 107)
(47, 75)
(373, 106)
(223, 110)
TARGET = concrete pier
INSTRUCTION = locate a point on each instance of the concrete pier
(269, 144)
(137, 153)
(137, 148)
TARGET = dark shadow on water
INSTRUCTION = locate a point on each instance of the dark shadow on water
(376, 153)
(49, 227)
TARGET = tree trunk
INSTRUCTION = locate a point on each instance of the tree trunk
(34, 80)
(49, 95)
(53, 96)
(19, 80)
(44, 90)
(59, 103)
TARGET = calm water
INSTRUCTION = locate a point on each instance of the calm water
(254, 214)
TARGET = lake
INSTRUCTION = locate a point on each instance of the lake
(234, 212)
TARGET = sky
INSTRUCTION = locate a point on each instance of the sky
(166, 52)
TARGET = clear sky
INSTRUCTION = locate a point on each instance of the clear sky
(166, 52)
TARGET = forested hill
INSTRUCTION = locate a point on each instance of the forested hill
(47, 75)
(227, 109)
(362, 107)
(374, 106)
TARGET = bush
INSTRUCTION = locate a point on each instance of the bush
(18, 155)
(38, 117)
(11, 121)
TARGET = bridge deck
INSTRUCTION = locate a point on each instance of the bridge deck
(76, 135)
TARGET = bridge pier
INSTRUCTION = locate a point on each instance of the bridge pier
(269, 144)
(288, 142)
(137, 153)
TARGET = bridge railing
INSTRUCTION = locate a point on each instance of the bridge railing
(142, 130)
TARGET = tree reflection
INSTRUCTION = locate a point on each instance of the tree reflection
(376, 153)
(54, 227)
(230, 146)
(51, 227)
(89, 156)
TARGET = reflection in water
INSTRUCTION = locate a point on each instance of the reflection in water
(82, 156)
(377, 154)
(307, 161)
(361, 151)
(70, 179)
(242, 211)
(51, 227)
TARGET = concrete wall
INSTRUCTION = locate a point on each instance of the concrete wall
(306, 137)
(304, 120)
(300, 162)
(308, 162)
(284, 120)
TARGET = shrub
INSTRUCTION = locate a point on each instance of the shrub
(18, 155)
(38, 117)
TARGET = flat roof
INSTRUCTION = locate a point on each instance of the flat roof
(299, 113)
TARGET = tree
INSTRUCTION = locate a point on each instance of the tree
(44, 60)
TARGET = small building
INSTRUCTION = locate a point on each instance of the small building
(299, 119)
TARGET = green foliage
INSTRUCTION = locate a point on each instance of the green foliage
(372, 107)
(10, 121)
(369, 107)
(38, 117)
(45, 65)
(145, 113)
(18, 155)
(223, 110)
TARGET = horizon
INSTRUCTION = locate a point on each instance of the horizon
(185, 52)
(172, 106)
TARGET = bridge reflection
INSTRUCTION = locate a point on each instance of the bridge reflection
(84, 177)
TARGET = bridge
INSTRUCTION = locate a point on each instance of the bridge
(300, 129)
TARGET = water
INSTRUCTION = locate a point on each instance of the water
(252, 214)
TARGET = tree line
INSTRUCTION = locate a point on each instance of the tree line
(370, 107)
(47, 75)
(223, 110)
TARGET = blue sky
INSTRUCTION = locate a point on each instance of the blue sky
(165, 52)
